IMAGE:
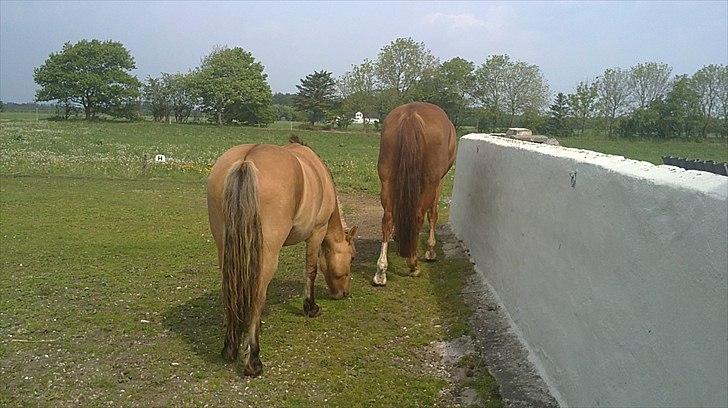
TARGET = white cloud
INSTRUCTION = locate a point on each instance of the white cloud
(492, 29)
(454, 21)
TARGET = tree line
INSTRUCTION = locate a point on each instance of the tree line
(647, 101)
(230, 86)
(94, 76)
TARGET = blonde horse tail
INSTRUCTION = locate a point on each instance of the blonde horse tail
(409, 182)
(242, 251)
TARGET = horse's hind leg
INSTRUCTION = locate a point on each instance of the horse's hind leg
(380, 278)
(430, 254)
(232, 342)
(313, 246)
(252, 364)
(413, 266)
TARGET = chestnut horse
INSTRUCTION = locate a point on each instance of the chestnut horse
(260, 198)
(416, 150)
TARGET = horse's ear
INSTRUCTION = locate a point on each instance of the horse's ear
(351, 233)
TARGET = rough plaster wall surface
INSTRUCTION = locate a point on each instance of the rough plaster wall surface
(614, 271)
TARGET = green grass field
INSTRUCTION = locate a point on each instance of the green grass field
(652, 150)
(25, 116)
(109, 292)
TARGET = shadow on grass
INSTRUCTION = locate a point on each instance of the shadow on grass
(367, 255)
(199, 321)
(366, 250)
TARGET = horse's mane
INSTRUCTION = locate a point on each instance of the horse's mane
(296, 139)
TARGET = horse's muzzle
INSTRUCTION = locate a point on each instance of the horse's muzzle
(340, 295)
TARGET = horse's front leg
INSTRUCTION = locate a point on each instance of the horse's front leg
(313, 246)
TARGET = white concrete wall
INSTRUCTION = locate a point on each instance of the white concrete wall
(618, 285)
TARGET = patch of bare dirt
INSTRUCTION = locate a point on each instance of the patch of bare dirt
(365, 212)
(447, 362)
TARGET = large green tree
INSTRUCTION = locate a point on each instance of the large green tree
(92, 74)
(707, 84)
(360, 89)
(525, 89)
(723, 98)
(648, 82)
(170, 95)
(614, 93)
(489, 82)
(448, 87)
(181, 95)
(402, 63)
(583, 103)
(316, 95)
(513, 87)
(677, 115)
(681, 112)
(558, 122)
(157, 98)
(232, 87)
(398, 75)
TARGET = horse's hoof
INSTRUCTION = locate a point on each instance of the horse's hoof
(430, 256)
(380, 279)
(415, 273)
(254, 368)
(229, 353)
(310, 308)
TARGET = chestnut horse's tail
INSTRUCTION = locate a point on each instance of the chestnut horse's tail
(409, 183)
(243, 245)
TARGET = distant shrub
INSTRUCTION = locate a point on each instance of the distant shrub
(306, 126)
(309, 126)
(343, 122)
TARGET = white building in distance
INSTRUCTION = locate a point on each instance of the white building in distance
(359, 118)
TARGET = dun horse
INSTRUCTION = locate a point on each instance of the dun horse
(260, 198)
(416, 150)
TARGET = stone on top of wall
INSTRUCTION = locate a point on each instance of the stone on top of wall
(518, 132)
(527, 136)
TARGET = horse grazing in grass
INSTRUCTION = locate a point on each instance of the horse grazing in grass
(260, 198)
(416, 150)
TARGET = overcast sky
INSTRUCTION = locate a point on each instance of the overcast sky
(571, 41)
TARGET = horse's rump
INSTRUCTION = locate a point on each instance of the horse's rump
(418, 137)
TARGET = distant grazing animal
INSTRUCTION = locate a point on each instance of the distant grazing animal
(416, 150)
(260, 198)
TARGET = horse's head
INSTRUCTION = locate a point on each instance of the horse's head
(335, 264)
